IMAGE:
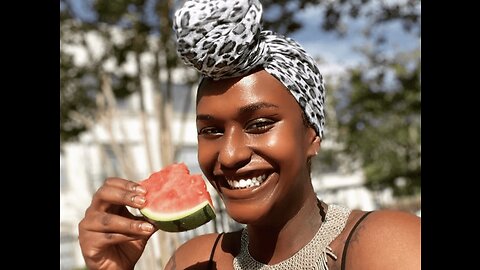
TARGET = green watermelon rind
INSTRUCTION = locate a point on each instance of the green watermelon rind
(181, 221)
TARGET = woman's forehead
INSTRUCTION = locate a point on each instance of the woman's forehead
(259, 82)
(258, 87)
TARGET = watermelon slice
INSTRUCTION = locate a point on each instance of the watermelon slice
(177, 201)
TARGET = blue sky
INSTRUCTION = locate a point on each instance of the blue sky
(340, 51)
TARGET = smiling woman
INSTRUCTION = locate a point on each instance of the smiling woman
(260, 120)
(253, 150)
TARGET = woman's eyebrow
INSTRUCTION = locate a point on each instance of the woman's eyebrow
(256, 106)
(245, 109)
(204, 117)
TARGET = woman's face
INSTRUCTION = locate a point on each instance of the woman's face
(253, 146)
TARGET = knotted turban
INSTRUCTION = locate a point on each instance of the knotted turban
(224, 39)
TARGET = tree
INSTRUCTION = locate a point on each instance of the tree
(80, 82)
(378, 104)
(378, 111)
(117, 31)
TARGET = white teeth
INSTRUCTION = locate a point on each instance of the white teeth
(242, 183)
(247, 183)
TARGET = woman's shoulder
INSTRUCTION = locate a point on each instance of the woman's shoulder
(203, 250)
(385, 239)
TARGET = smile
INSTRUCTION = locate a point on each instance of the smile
(246, 183)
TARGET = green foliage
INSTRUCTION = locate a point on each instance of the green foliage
(282, 19)
(73, 97)
(377, 107)
(80, 84)
(379, 122)
(112, 11)
(337, 15)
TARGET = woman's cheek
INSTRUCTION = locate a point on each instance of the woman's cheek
(282, 145)
(206, 158)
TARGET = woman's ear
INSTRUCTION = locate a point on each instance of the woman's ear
(315, 142)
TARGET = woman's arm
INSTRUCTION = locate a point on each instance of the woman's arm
(386, 239)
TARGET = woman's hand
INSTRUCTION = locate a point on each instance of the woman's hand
(110, 236)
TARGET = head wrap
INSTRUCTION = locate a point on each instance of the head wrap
(224, 39)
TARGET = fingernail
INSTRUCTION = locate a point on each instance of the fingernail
(139, 199)
(147, 227)
(140, 189)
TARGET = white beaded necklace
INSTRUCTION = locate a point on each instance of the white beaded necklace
(311, 256)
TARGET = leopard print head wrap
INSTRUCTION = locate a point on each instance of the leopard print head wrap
(224, 39)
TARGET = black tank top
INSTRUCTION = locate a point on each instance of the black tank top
(344, 255)
(210, 260)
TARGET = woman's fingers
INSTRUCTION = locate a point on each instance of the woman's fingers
(109, 235)
(124, 184)
(118, 192)
(100, 239)
(111, 250)
(105, 222)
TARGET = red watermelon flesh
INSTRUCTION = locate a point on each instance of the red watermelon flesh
(176, 200)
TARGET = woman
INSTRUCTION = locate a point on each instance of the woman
(260, 120)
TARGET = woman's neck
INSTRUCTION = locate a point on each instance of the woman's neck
(273, 244)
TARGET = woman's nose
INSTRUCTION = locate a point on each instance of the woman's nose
(234, 152)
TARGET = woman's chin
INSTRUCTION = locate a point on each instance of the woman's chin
(245, 212)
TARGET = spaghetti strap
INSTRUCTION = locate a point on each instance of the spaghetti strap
(210, 260)
(344, 254)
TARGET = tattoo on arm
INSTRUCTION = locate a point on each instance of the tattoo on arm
(355, 236)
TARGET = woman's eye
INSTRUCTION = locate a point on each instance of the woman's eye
(211, 131)
(259, 125)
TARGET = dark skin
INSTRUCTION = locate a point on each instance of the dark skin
(261, 133)
(110, 237)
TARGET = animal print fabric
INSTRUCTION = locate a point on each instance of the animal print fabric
(224, 39)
